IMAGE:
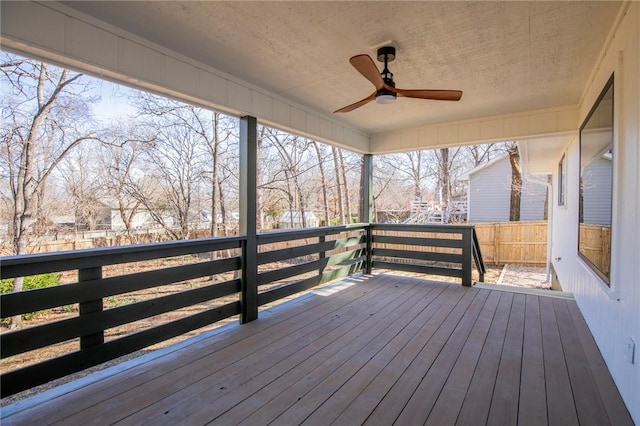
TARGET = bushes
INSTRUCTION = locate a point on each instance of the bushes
(30, 283)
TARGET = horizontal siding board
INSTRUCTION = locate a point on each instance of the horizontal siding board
(597, 180)
(25, 265)
(293, 252)
(421, 242)
(439, 229)
(489, 193)
(45, 298)
(291, 271)
(298, 234)
(287, 290)
(47, 334)
(343, 257)
(290, 253)
(422, 269)
(305, 284)
(419, 255)
(28, 377)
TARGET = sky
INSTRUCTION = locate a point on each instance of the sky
(114, 102)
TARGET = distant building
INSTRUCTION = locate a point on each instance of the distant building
(489, 194)
(293, 219)
(597, 178)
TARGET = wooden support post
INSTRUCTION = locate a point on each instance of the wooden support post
(90, 307)
(248, 192)
(366, 205)
(368, 249)
(467, 256)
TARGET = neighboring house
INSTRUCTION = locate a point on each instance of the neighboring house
(94, 216)
(232, 219)
(141, 219)
(489, 194)
(597, 179)
(293, 219)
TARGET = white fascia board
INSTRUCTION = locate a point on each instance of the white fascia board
(58, 34)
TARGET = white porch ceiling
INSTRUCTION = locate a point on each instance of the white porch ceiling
(507, 57)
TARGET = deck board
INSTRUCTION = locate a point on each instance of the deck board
(533, 404)
(387, 349)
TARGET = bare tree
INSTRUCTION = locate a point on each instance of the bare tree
(323, 182)
(84, 186)
(120, 163)
(44, 117)
(336, 165)
(516, 182)
(343, 171)
(190, 148)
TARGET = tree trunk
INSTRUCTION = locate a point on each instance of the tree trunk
(338, 186)
(346, 187)
(323, 183)
(445, 177)
(27, 184)
(214, 174)
(516, 183)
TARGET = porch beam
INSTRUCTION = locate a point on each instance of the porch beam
(248, 193)
(497, 128)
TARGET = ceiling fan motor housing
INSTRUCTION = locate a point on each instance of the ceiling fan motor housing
(386, 54)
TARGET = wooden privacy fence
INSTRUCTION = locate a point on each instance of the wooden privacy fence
(595, 245)
(513, 242)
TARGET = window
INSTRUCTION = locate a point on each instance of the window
(562, 180)
(596, 185)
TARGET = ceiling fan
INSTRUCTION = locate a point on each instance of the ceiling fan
(386, 91)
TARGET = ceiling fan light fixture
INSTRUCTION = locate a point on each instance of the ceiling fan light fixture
(385, 98)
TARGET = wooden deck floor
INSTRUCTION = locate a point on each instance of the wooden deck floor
(379, 350)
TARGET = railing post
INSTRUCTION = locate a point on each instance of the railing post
(322, 255)
(90, 307)
(248, 190)
(467, 254)
(369, 249)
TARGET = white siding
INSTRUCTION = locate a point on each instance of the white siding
(490, 193)
(532, 202)
(613, 314)
(597, 197)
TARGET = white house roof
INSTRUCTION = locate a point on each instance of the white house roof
(481, 167)
(295, 214)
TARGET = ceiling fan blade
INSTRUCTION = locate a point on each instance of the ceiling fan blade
(357, 104)
(365, 66)
(437, 95)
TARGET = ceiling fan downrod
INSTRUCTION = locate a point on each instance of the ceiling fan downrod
(386, 54)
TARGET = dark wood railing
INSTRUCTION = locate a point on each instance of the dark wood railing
(287, 262)
(445, 250)
(318, 255)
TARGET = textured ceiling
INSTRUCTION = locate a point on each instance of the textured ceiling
(506, 56)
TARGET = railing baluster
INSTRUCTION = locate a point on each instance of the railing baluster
(322, 255)
(368, 249)
(467, 253)
(90, 307)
